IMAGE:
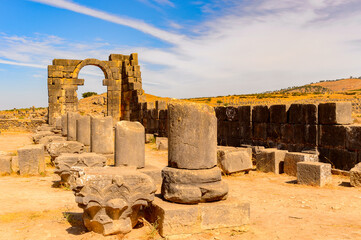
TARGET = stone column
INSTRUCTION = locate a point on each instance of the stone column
(129, 144)
(83, 130)
(102, 135)
(72, 117)
(192, 175)
(64, 125)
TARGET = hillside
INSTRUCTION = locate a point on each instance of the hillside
(350, 84)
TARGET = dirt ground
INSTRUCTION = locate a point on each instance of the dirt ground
(33, 208)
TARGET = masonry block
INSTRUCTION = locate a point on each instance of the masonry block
(353, 138)
(231, 159)
(270, 160)
(292, 158)
(260, 131)
(5, 164)
(313, 173)
(333, 136)
(260, 114)
(31, 159)
(278, 113)
(274, 131)
(355, 176)
(245, 114)
(232, 114)
(335, 113)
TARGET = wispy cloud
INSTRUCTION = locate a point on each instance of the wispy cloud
(125, 21)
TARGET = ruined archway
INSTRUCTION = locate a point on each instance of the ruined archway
(122, 78)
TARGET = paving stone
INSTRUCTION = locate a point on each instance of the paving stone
(335, 113)
(31, 159)
(231, 159)
(292, 158)
(313, 173)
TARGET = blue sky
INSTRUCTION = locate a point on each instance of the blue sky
(186, 48)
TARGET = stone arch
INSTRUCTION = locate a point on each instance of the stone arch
(94, 62)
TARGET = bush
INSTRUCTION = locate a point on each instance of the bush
(89, 94)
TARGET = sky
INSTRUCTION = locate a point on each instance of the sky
(186, 48)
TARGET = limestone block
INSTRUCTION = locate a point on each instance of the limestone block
(56, 148)
(260, 114)
(31, 159)
(333, 136)
(5, 164)
(48, 139)
(83, 130)
(278, 113)
(112, 198)
(313, 173)
(149, 138)
(192, 135)
(180, 219)
(129, 144)
(270, 160)
(64, 125)
(335, 113)
(193, 186)
(292, 158)
(355, 176)
(161, 143)
(15, 164)
(72, 117)
(66, 161)
(231, 159)
(102, 135)
(40, 135)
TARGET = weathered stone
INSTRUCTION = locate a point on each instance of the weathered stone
(149, 138)
(57, 148)
(245, 114)
(45, 128)
(353, 137)
(72, 117)
(66, 161)
(31, 159)
(302, 114)
(260, 114)
(193, 186)
(161, 143)
(5, 164)
(313, 173)
(15, 164)
(58, 123)
(278, 113)
(231, 159)
(83, 130)
(270, 160)
(333, 136)
(154, 172)
(40, 135)
(102, 135)
(292, 158)
(355, 176)
(335, 113)
(192, 135)
(64, 125)
(177, 219)
(129, 144)
(112, 198)
(260, 131)
(48, 139)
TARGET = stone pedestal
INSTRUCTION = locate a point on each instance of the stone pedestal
(102, 135)
(72, 117)
(179, 219)
(129, 144)
(83, 130)
(112, 197)
(192, 176)
(31, 159)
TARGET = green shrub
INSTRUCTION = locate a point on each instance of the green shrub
(89, 94)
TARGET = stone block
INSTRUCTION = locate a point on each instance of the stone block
(231, 159)
(292, 158)
(71, 133)
(129, 144)
(270, 160)
(355, 176)
(311, 135)
(5, 164)
(178, 219)
(310, 113)
(353, 137)
(245, 114)
(278, 113)
(313, 173)
(15, 164)
(192, 135)
(48, 139)
(102, 135)
(83, 130)
(39, 135)
(45, 127)
(335, 113)
(232, 114)
(112, 197)
(64, 125)
(342, 159)
(260, 131)
(333, 136)
(56, 148)
(160, 105)
(58, 123)
(154, 172)
(149, 138)
(220, 113)
(260, 114)
(161, 143)
(274, 131)
(31, 159)
(287, 133)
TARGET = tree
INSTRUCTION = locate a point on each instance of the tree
(88, 94)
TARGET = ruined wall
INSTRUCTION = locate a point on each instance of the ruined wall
(153, 116)
(296, 127)
(20, 124)
(122, 78)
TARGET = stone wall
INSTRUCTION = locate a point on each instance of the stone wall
(122, 78)
(297, 127)
(153, 116)
(20, 124)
